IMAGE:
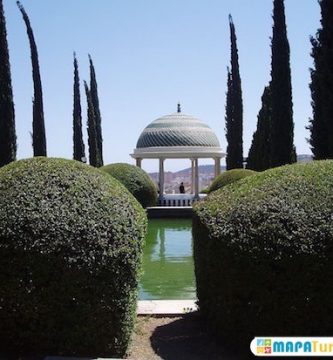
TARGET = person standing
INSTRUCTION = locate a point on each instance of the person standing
(182, 188)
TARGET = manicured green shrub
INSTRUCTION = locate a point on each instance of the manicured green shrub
(136, 180)
(204, 191)
(228, 177)
(263, 251)
(71, 242)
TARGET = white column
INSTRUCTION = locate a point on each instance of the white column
(192, 176)
(161, 178)
(138, 162)
(196, 179)
(217, 166)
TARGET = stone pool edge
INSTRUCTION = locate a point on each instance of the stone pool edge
(166, 307)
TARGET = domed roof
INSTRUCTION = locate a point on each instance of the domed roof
(177, 129)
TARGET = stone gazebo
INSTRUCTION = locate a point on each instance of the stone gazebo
(178, 136)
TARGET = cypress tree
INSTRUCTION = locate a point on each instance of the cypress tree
(94, 159)
(282, 137)
(95, 103)
(229, 120)
(259, 153)
(38, 126)
(78, 144)
(7, 114)
(321, 86)
(234, 110)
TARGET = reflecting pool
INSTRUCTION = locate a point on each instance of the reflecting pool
(168, 263)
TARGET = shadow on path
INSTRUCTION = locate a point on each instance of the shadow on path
(186, 339)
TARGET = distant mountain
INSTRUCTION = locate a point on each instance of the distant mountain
(304, 158)
(173, 179)
(206, 175)
(209, 169)
(203, 170)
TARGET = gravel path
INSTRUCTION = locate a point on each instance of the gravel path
(173, 338)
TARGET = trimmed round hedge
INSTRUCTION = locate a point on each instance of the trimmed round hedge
(71, 243)
(228, 177)
(263, 251)
(136, 180)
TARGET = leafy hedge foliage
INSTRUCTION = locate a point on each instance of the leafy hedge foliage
(71, 242)
(228, 177)
(136, 180)
(263, 252)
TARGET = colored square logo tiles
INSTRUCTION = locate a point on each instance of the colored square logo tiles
(268, 342)
(260, 342)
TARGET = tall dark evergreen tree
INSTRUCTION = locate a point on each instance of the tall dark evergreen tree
(229, 120)
(282, 137)
(78, 151)
(38, 125)
(7, 114)
(95, 103)
(94, 158)
(321, 124)
(259, 153)
(234, 108)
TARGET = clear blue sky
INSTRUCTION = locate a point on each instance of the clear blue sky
(148, 56)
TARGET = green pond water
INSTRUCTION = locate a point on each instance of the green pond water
(168, 263)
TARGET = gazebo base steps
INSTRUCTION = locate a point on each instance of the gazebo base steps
(169, 212)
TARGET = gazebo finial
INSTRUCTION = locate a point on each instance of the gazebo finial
(179, 109)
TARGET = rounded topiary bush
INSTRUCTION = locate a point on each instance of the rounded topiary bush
(136, 180)
(71, 241)
(229, 177)
(263, 252)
